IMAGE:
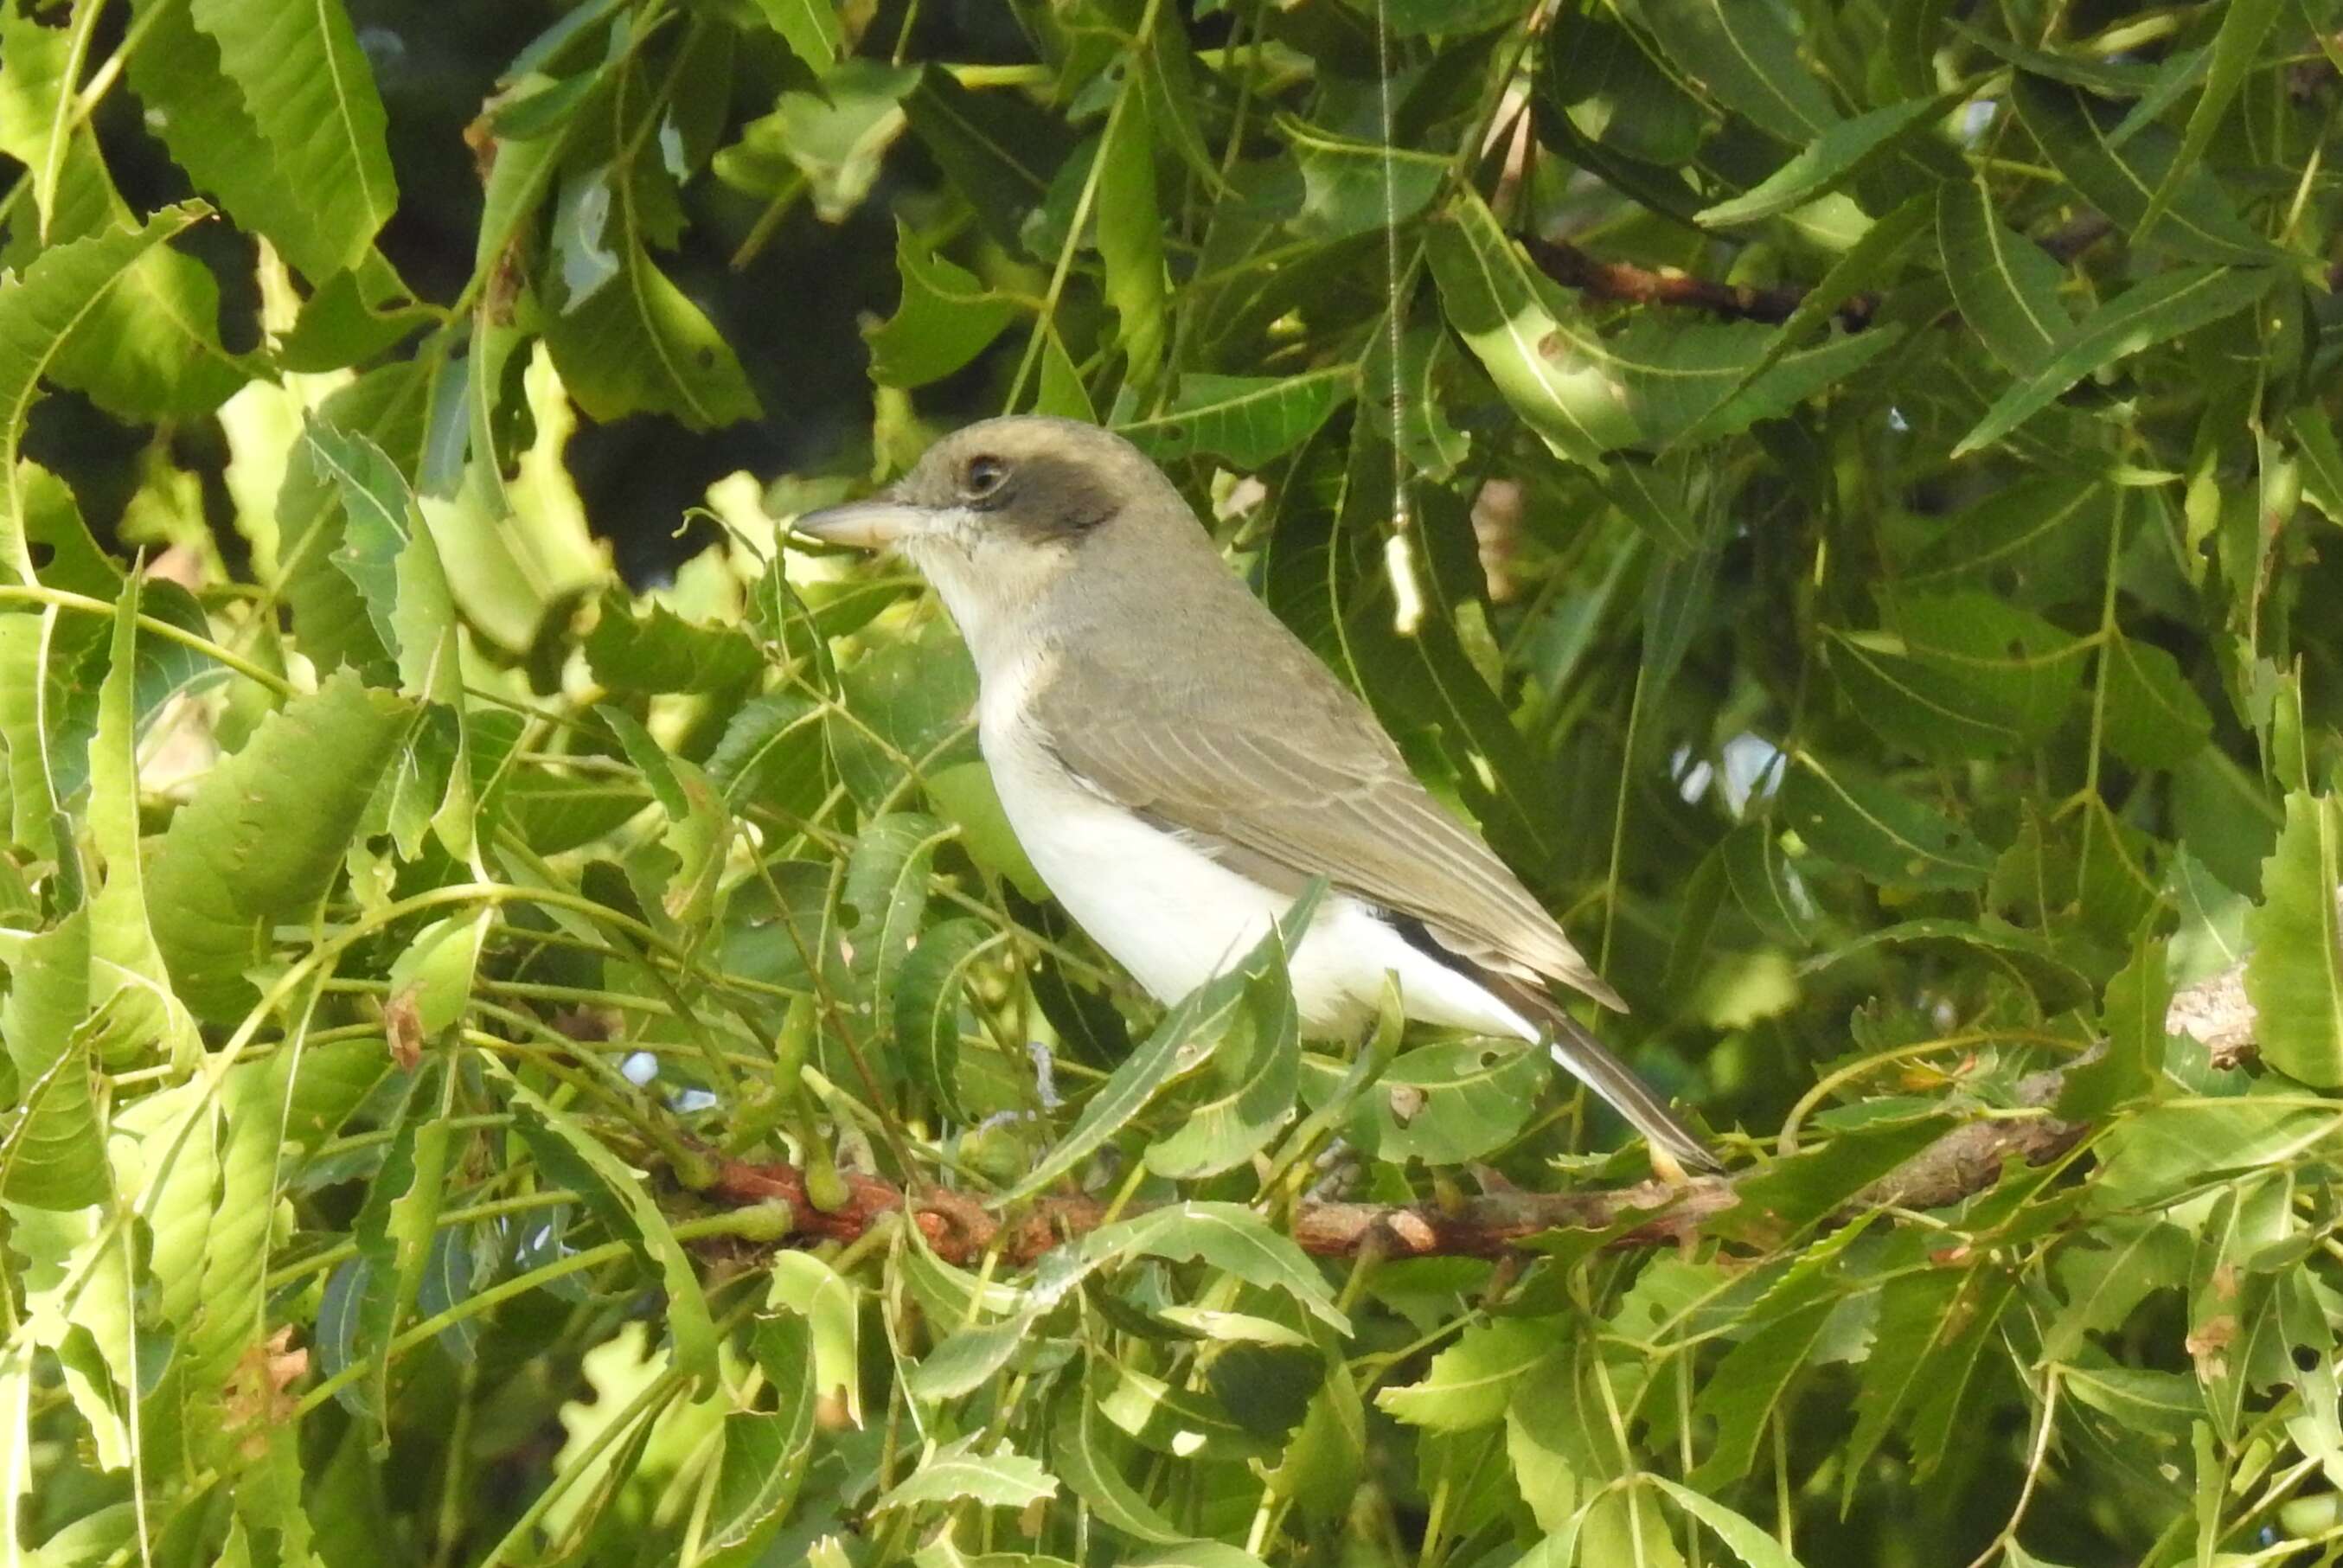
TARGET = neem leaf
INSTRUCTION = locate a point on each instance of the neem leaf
(1002, 1478)
(2006, 285)
(1744, 53)
(265, 834)
(1181, 1042)
(1470, 1383)
(307, 86)
(2077, 130)
(945, 318)
(2295, 975)
(2147, 314)
(810, 27)
(1250, 420)
(1839, 154)
(1350, 187)
(1443, 1104)
(40, 309)
(1961, 675)
(1879, 832)
(2154, 719)
(1229, 1238)
(574, 1156)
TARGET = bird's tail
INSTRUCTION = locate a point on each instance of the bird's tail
(1590, 1061)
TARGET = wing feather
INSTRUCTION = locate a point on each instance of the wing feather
(1309, 787)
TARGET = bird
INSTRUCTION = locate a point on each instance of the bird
(1179, 766)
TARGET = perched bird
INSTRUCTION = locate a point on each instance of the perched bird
(1179, 767)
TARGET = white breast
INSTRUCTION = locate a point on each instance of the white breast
(1174, 917)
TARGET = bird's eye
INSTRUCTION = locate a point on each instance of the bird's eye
(983, 476)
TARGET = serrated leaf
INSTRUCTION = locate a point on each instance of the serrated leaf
(2295, 975)
(265, 834)
(945, 318)
(1655, 383)
(2244, 25)
(1887, 836)
(1602, 79)
(2077, 130)
(308, 88)
(2154, 719)
(1084, 1448)
(1229, 1237)
(2006, 286)
(40, 309)
(1352, 187)
(811, 27)
(1840, 153)
(627, 340)
(1130, 237)
(1249, 1083)
(54, 1155)
(2025, 955)
(2147, 314)
(2132, 1024)
(998, 150)
(1443, 1104)
(1250, 421)
(1745, 54)
(928, 1010)
(1470, 1383)
(1002, 1478)
(553, 1133)
(1179, 1044)
(1961, 676)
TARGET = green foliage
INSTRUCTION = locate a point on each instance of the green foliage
(1846, 497)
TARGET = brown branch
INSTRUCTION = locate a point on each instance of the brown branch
(1964, 1161)
(1625, 283)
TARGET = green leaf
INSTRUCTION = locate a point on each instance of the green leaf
(2077, 131)
(1250, 421)
(2132, 1022)
(2295, 975)
(1443, 1104)
(571, 1154)
(1961, 676)
(1249, 1084)
(1743, 1539)
(54, 1155)
(1744, 54)
(2244, 25)
(1604, 80)
(887, 878)
(1227, 1237)
(929, 1016)
(1934, 1327)
(1471, 1383)
(1002, 1478)
(945, 318)
(2154, 719)
(1841, 152)
(647, 653)
(627, 341)
(1086, 1448)
(353, 317)
(997, 149)
(1658, 382)
(1886, 835)
(2322, 458)
(810, 27)
(40, 310)
(1768, 887)
(308, 88)
(1130, 235)
(1353, 187)
(2023, 955)
(2147, 314)
(2006, 285)
(264, 836)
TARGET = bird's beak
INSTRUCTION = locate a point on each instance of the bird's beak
(871, 525)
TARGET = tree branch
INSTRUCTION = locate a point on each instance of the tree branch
(1966, 1160)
